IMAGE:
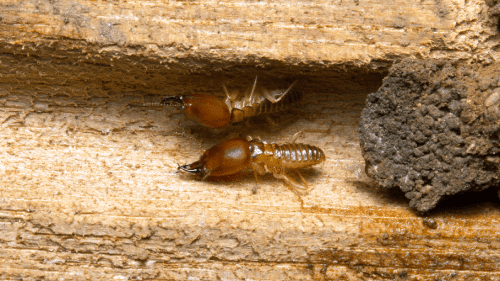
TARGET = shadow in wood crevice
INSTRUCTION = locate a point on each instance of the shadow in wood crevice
(468, 204)
(394, 196)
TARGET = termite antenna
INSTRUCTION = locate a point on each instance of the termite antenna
(152, 104)
(295, 137)
(175, 101)
(289, 88)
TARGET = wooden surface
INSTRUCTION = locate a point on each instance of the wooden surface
(89, 189)
(298, 32)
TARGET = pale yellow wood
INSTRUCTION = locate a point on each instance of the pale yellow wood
(88, 182)
(298, 31)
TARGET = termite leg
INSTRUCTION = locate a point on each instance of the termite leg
(207, 174)
(302, 179)
(295, 137)
(274, 99)
(257, 170)
(253, 89)
(254, 189)
(298, 188)
(226, 91)
(228, 95)
(293, 185)
(249, 138)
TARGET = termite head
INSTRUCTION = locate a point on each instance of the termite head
(227, 158)
(203, 109)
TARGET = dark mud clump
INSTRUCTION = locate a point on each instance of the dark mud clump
(432, 130)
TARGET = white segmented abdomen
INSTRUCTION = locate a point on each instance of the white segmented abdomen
(296, 155)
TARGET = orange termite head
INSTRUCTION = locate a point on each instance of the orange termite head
(203, 109)
(227, 158)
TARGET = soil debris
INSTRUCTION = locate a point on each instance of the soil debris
(432, 130)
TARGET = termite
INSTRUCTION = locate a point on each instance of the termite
(236, 154)
(212, 112)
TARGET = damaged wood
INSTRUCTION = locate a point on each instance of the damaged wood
(89, 188)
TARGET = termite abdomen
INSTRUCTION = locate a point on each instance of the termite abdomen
(286, 103)
(259, 101)
(298, 155)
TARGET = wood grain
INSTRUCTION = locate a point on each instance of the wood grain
(89, 189)
(298, 32)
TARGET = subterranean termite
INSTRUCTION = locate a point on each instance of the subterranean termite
(212, 112)
(237, 154)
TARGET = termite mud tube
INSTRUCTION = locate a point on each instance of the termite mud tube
(432, 130)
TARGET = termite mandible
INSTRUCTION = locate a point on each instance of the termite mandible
(237, 154)
(212, 112)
